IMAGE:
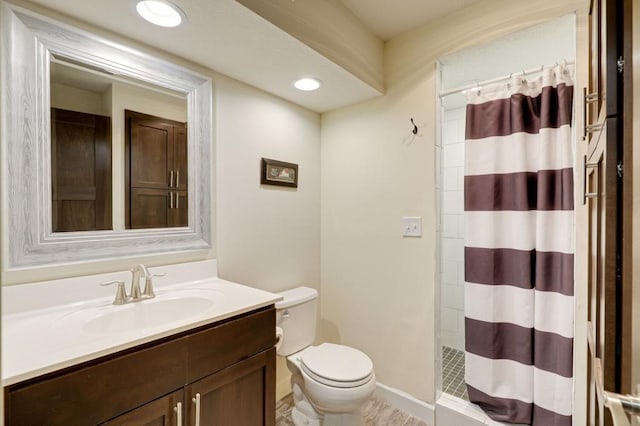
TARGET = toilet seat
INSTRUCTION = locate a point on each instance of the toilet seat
(336, 365)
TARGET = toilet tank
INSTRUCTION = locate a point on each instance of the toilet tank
(296, 314)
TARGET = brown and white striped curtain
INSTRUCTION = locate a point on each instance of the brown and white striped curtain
(518, 202)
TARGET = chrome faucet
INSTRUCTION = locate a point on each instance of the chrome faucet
(135, 296)
(135, 281)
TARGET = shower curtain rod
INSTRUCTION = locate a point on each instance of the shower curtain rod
(495, 80)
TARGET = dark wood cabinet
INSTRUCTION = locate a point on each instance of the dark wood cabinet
(227, 368)
(601, 95)
(607, 177)
(601, 187)
(163, 411)
(156, 171)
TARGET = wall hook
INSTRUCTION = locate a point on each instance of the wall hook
(415, 132)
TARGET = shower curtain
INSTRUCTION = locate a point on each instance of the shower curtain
(518, 202)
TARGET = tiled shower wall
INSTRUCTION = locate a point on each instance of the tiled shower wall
(452, 229)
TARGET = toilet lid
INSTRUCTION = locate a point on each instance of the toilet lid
(337, 365)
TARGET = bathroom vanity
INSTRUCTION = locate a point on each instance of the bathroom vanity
(223, 373)
(75, 364)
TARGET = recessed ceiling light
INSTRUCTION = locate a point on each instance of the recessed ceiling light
(160, 12)
(307, 84)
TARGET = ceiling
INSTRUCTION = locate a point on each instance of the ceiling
(225, 36)
(387, 19)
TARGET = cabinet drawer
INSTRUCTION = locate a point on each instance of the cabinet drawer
(97, 392)
(213, 349)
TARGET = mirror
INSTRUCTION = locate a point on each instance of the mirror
(36, 50)
(96, 117)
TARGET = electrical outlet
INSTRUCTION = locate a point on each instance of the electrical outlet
(412, 226)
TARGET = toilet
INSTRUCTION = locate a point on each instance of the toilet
(330, 383)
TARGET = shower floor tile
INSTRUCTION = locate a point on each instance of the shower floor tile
(453, 373)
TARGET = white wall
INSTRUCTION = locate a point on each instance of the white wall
(378, 288)
(452, 230)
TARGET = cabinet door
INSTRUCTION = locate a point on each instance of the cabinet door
(151, 151)
(178, 213)
(155, 172)
(601, 184)
(151, 208)
(100, 390)
(240, 395)
(163, 411)
(80, 171)
(604, 75)
(158, 208)
(180, 157)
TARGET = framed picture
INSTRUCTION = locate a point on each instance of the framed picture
(279, 173)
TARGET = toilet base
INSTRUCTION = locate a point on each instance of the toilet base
(300, 419)
(304, 414)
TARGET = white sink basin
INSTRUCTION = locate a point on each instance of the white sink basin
(174, 307)
(149, 313)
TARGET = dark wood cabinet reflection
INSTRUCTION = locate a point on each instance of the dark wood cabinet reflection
(80, 171)
(155, 172)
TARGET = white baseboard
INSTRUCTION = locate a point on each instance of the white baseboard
(453, 411)
(406, 403)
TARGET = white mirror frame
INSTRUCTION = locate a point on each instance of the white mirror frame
(27, 42)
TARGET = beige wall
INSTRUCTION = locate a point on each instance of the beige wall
(74, 99)
(267, 236)
(378, 288)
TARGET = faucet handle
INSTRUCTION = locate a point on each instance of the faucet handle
(121, 293)
(148, 285)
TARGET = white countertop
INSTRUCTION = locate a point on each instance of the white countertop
(46, 339)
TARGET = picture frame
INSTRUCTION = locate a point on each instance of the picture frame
(279, 173)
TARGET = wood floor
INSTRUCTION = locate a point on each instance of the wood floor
(377, 413)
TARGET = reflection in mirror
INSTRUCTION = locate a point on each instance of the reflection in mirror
(80, 180)
(118, 151)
